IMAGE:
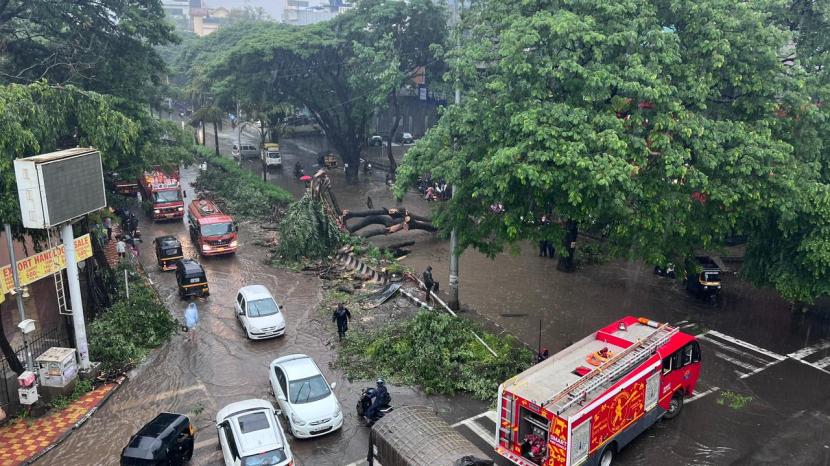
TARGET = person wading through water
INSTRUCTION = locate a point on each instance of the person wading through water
(341, 315)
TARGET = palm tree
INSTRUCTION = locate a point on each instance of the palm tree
(209, 114)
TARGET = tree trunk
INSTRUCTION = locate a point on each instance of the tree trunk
(567, 262)
(351, 161)
(216, 136)
(393, 165)
(8, 352)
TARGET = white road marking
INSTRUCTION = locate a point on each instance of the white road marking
(736, 362)
(735, 351)
(759, 369)
(750, 346)
(804, 352)
(813, 365)
(490, 414)
(700, 395)
(823, 363)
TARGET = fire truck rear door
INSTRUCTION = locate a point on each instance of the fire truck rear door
(652, 390)
(580, 441)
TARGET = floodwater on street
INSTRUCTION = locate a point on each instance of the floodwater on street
(221, 365)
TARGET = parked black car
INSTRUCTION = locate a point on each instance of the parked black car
(166, 440)
(191, 279)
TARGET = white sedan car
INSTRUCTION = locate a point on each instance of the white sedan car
(251, 435)
(259, 313)
(305, 397)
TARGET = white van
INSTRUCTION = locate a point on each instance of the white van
(244, 151)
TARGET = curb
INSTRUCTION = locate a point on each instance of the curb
(119, 382)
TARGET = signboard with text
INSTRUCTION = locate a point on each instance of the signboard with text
(41, 265)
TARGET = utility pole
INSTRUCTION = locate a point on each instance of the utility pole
(18, 294)
(78, 323)
(453, 302)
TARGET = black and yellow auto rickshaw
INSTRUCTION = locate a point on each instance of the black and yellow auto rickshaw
(703, 277)
(168, 251)
(191, 279)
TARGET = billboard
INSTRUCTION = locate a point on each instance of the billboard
(58, 187)
(33, 268)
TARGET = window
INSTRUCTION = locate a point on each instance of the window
(262, 308)
(281, 379)
(253, 422)
(226, 431)
(239, 299)
(261, 459)
(309, 389)
(167, 196)
(217, 229)
(672, 362)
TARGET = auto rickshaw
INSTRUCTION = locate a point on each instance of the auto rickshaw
(168, 251)
(703, 277)
(330, 161)
(191, 279)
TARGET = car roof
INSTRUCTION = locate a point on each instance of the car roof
(191, 266)
(168, 241)
(254, 292)
(256, 441)
(147, 442)
(297, 366)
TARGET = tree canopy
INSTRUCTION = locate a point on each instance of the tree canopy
(665, 127)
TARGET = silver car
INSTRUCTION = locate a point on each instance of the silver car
(244, 151)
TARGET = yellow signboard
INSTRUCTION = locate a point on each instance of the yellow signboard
(43, 264)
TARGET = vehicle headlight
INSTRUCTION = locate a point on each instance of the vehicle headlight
(156, 211)
(297, 420)
(206, 247)
(234, 243)
(180, 209)
(255, 330)
(337, 411)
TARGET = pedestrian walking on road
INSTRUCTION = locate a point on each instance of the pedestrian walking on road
(369, 203)
(543, 247)
(429, 283)
(121, 247)
(191, 318)
(108, 226)
(341, 315)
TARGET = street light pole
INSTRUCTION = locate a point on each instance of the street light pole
(18, 294)
(453, 301)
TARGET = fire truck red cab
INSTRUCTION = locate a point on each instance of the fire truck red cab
(583, 404)
(162, 194)
(212, 231)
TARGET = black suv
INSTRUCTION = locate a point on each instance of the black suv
(166, 440)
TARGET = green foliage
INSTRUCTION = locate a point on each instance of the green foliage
(82, 387)
(121, 337)
(437, 352)
(592, 253)
(667, 126)
(307, 232)
(734, 400)
(244, 193)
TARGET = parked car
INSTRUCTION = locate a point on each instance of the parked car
(407, 138)
(259, 313)
(167, 439)
(376, 140)
(304, 396)
(251, 435)
(244, 151)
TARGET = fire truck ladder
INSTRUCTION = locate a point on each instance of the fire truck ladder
(612, 369)
(60, 290)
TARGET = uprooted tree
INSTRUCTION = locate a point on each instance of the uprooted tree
(391, 221)
(308, 231)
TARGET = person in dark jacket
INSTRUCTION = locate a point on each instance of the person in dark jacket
(381, 399)
(341, 315)
(429, 283)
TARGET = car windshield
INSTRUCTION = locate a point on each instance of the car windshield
(168, 196)
(711, 276)
(274, 155)
(265, 459)
(262, 308)
(253, 422)
(217, 229)
(308, 390)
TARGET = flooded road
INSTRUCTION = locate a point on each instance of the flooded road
(221, 365)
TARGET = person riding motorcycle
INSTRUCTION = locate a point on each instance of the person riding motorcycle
(298, 170)
(381, 398)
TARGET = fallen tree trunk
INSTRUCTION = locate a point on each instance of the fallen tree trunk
(394, 213)
(384, 220)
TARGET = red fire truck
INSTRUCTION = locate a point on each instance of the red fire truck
(162, 195)
(582, 405)
(212, 231)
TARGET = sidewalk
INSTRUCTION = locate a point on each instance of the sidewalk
(24, 440)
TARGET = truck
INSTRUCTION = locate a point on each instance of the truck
(161, 194)
(582, 405)
(271, 155)
(212, 231)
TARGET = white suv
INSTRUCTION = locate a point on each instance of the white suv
(259, 313)
(304, 396)
(251, 435)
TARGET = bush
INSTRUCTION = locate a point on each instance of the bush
(306, 232)
(121, 337)
(244, 193)
(437, 352)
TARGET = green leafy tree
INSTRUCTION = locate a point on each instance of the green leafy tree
(651, 123)
(101, 45)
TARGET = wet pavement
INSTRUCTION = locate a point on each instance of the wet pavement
(753, 345)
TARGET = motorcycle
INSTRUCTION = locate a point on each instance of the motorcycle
(365, 402)
(298, 171)
(367, 166)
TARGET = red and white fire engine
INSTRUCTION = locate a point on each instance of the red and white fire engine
(162, 194)
(212, 231)
(583, 404)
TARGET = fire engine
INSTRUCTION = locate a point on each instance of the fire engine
(162, 195)
(212, 231)
(582, 405)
